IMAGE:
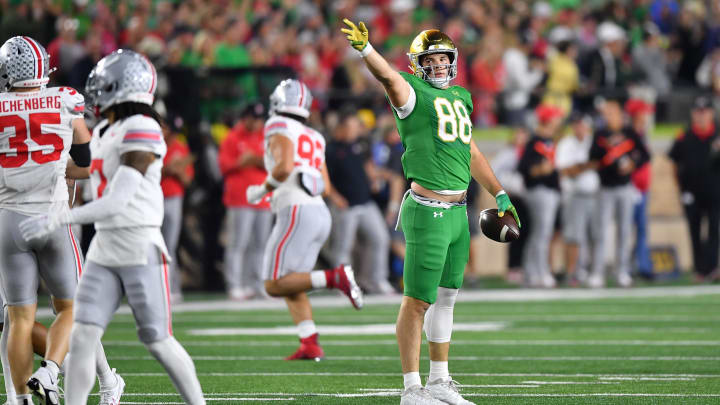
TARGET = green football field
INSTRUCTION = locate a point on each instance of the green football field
(642, 346)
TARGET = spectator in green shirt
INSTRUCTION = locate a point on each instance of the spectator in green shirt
(231, 52)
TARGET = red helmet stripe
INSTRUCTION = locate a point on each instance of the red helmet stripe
(302, 93)
(38, 56)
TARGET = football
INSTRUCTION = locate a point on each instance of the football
(499, 229)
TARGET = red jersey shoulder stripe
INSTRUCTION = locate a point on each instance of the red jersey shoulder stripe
(276, 125)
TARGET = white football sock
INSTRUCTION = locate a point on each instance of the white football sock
(105, 375)
(24, 399)
(9, 387)
(80, 373)
(412, 378)
(179, 367)
(438, 370)
(318, 279)
(306, 328)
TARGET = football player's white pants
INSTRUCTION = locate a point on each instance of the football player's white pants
(179, 367)
(171, 226)
(439, 317)
(84, 342)
(9, 387)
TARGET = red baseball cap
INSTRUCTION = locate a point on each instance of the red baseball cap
(636, 106)
(546, 112)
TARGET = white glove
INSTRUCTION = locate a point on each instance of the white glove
(42, 225)
(255, 193)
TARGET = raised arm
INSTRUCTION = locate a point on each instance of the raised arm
(397, 89)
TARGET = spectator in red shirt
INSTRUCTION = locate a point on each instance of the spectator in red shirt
(177, 174)
(241, 163)
(640, 113)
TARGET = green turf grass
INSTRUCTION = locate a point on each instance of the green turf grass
(549, 352)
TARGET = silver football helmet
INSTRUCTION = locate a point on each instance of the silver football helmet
(292, 97)
(23, 63)
(123, 76)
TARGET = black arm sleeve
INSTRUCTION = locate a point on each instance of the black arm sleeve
(80, 153)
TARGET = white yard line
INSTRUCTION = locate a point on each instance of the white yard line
(325, 330)
(393, 342)
(391, 392)
(569, 382)
(647, 378)
(455, 358)
(597, 394)
(504, 295)
(358, 318)
(499, 386)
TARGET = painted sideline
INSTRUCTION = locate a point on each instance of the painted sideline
(507, 295)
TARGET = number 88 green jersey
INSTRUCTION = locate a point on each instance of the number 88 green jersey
(436, 136)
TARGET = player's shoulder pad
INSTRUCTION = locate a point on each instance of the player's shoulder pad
(72, 100)
(277, 124)
(141, 129)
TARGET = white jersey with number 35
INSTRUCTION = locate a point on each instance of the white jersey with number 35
(309, 147)
(35, 138)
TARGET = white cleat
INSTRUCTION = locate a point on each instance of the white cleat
(624, 280)
(548, 281)
(418, 395)
(111, 395)
(447, 392)
(43, 386)
(595, 281)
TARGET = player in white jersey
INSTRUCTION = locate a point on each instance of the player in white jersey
(40, 128)
(297, 177)
(127, 256)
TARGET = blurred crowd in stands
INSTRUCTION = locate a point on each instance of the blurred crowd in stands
(513, 54)
(532, 66)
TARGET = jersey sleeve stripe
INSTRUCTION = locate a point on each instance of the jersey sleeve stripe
(142, 137)
(276, 125)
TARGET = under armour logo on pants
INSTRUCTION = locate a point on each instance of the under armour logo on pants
(437, 214)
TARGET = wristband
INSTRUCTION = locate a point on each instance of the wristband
(366, 51)
(270, 180)
(499, 193)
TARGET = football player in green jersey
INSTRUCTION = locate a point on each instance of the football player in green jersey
(433, 119)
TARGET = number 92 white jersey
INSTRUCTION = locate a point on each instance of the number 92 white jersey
(35, 138)
(309, 155)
